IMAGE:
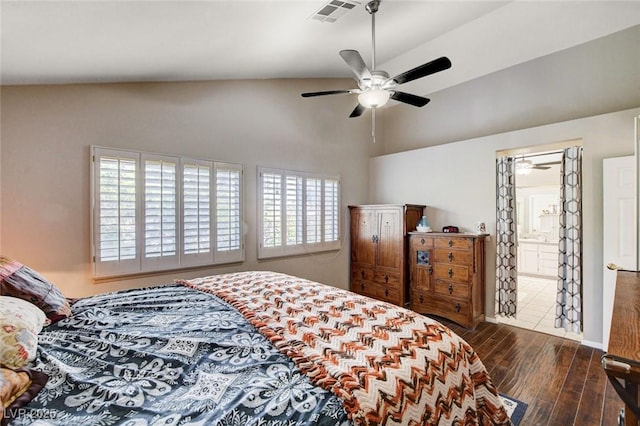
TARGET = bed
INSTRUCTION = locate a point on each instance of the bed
(254, 348)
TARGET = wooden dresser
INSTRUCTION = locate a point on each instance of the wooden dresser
(447, 276)
(379, 250)
(621, 362)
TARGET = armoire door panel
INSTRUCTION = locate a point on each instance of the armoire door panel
(390, 239)
(364, 232)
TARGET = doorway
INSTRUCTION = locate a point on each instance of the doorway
(537, 197)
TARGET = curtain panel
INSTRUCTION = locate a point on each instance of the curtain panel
(569, 298)
(506, 238)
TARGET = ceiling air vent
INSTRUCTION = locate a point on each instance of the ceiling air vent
(334, 9)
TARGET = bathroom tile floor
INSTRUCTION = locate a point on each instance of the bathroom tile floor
(536, 307)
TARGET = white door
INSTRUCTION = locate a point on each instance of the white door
(619, 229)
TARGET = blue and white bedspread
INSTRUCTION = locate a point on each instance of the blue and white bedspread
(169, 355)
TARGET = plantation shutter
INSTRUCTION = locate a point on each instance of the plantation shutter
(228, 185)
(313, 207)
(294, 222)
(115, 223)
(331, 210)
(271, 209)
(154, 212)
(160, 212)
(196, 212)
(300, 213)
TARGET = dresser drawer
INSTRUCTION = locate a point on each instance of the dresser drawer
(442, 271)
(454, 243)
(361, 273)
(387, 278)
(418, 297)
(380, 291)
(452, 289)
(460, 257)
(450, 308)
(419, 242)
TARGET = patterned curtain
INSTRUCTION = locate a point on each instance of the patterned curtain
(569, 300)
(506, 238)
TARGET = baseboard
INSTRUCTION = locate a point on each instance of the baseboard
(595, 345)
(591, 344)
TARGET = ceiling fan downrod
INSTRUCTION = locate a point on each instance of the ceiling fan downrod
(372, 8)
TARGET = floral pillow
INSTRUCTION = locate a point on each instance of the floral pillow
(20, 281)
(20, 323)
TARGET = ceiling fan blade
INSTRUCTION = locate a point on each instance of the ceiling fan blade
(410, 99)
(424, 70)
(356, 63)
(357, 111)
(326, 92)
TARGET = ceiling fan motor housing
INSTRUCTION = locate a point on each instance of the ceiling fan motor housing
(377, 81)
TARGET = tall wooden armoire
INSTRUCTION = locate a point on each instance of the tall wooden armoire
(379, 245)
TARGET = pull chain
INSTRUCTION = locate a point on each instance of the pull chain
(373, 124)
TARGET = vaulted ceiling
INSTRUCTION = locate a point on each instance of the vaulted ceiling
(59, 42)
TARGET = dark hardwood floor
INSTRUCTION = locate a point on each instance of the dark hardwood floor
(560, 379)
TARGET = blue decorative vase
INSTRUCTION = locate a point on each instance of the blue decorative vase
(423, 225)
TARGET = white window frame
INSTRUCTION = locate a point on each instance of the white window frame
(142, 264)
(301, 246)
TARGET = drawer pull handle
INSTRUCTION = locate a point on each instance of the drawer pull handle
(421, 240)
(386, 292)
(430, 269)
(458, 307)
(362, 286)
(450, 256)
(450, 272)
(386, 279)
(450, 243)
(421, 298)
(362, 274)
(450, 288)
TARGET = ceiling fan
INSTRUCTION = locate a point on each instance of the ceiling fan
(375, 87)
(525, 166)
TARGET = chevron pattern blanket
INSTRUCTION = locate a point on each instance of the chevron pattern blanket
(390, 366)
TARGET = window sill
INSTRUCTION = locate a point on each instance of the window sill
(270, 254)
(147, 274)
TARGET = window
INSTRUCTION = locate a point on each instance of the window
(158, 212)
(298, 212)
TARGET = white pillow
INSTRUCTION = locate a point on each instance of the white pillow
(20, 323)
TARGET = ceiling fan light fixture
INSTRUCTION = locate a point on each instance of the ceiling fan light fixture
(374, 98)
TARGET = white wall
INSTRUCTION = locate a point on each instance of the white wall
(457, 182)
(47, 132)
(593, 78)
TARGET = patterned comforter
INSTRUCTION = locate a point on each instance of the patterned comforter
(169, 355)
(255, 348)
(389, 365)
